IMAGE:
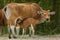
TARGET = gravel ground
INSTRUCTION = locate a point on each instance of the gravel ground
(51, 37)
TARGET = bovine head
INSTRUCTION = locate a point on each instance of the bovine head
(46, 15)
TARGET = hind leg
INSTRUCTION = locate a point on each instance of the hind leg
(17, 30)
(13, 32)
(24, 32)
(9, 32)
(30, 31)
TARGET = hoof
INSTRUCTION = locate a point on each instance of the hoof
(14, 37)
(9, 37)
(29, 35)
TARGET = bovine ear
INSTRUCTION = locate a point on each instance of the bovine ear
(52, 13)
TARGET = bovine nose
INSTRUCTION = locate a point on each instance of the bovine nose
(47, 19)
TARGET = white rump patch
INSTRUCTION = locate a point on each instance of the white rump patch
(8, 13)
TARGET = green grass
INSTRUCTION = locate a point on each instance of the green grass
(41, 29)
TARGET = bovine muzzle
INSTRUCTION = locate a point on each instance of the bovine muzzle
(47, 20)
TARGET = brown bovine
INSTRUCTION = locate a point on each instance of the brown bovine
(33, 21)
(23, 11)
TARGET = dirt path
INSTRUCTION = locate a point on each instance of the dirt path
(54, 37)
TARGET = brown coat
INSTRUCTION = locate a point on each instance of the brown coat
(35, 21)
(23, 10)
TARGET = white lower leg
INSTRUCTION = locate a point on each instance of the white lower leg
(29, 30)
(17, 30)
(32, 29)
(8, 28)
(9, 31)
(23, 32)
(12, 29)
(33, 32)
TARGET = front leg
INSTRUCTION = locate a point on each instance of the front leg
(31, 30)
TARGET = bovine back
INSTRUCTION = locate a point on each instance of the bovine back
(27, 10)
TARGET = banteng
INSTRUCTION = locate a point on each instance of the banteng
(33, 21)
(21, 11)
